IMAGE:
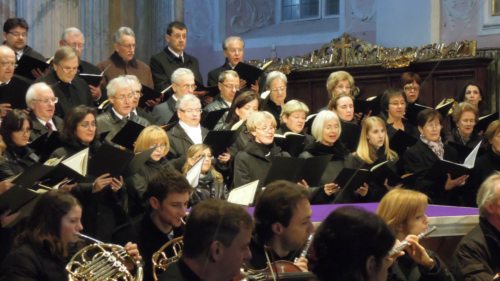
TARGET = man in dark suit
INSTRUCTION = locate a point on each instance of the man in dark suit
(12, 87)
(74, 38)
(70, 89)
(173, 57)
(42, 102)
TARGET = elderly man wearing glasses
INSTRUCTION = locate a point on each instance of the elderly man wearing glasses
(41, 100)
(183, 83)
(70, 89)
(121, 97)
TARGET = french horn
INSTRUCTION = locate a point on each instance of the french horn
(103, 261)
(161, 260)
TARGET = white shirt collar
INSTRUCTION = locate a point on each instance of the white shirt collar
(194, 133)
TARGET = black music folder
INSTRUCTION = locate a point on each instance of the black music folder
(368, 105)
(92, 79)
(27, 64)
(485, 121)
(248, 72)
(297, 169)
(15, 198)
(148, 94)
(45, 144)
(443, 167)
(401, 141)
(412, 110)
(210, 119)
(109, 159)
(15, 92)
(128, 134)
(309, 121)
(220, 141)
(290, 142)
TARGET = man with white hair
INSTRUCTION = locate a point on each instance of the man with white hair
(41, 100)
(10, 84)
(123, 60)
(73, 37)
(477, 256)
(121, 97)
(188, 131)
(183, 83)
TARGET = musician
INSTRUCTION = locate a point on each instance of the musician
(283, 224)
(326, 130)
(410, 82)
(102, 197)
(276, 84)
(70, 89)
(15, 131)
(373, 149)
(47, 243)
(338, 255)
(173, 57)
(339, 82)
(183, 83)
(122, 61)
(211, 182)
(216, 242)
(74, 38)
(10, 84)
(404, 211)
(42, 101)
(167, 195)
(420, 158)
(478, 253)
(465, 117)
(15, 33)
(343, 105)
(254, 162)
(121, 96)
(393, 108)
(229, 85)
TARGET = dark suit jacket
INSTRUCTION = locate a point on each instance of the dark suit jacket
(163, 112)
(109, 122)
(18, 85)
(165, 63)
(419, 160)
(39, 129)
(213, 75)
(180, 141)
(87, 67)
(69, 94)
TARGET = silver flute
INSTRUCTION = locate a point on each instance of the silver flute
(303, 254)
(405, 243)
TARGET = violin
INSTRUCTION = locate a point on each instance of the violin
(279, 270)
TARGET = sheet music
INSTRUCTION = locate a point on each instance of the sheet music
(78, 162)
(243, 195)
(193, 175)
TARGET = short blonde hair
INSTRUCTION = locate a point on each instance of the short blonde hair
(257, 118)
(197, 149)
(398, 205)
(461, 108)
(292, 106)
(335, 78)
(150, 136)
(487, 193)
(319, 122)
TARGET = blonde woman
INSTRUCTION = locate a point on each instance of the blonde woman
(404, 211)
(211, 183)
(373, 149)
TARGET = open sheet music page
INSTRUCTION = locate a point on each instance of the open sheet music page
(243, 195)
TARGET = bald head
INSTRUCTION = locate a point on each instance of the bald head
(7, 63)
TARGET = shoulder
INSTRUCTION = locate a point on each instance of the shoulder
(143, 65)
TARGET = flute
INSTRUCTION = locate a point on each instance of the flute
(303, 254)
(405, 242)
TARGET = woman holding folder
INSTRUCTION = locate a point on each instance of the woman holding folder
(326, 130)
(101, 197)
(419, 159)
(373, 149)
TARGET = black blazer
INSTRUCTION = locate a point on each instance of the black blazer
(180, 141)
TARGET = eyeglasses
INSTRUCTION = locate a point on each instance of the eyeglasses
(411, 88)
(87, 124)
(279, 90)
(156, 146)
(129, 46)
(235, 50)
(208, 156)
(67, 69)
(188, 86)
(178, 36)
(47, 100)
(191, 110)
(232, 87)
(18, 34)
(433, 125)
(7, 63)
(123, 97)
